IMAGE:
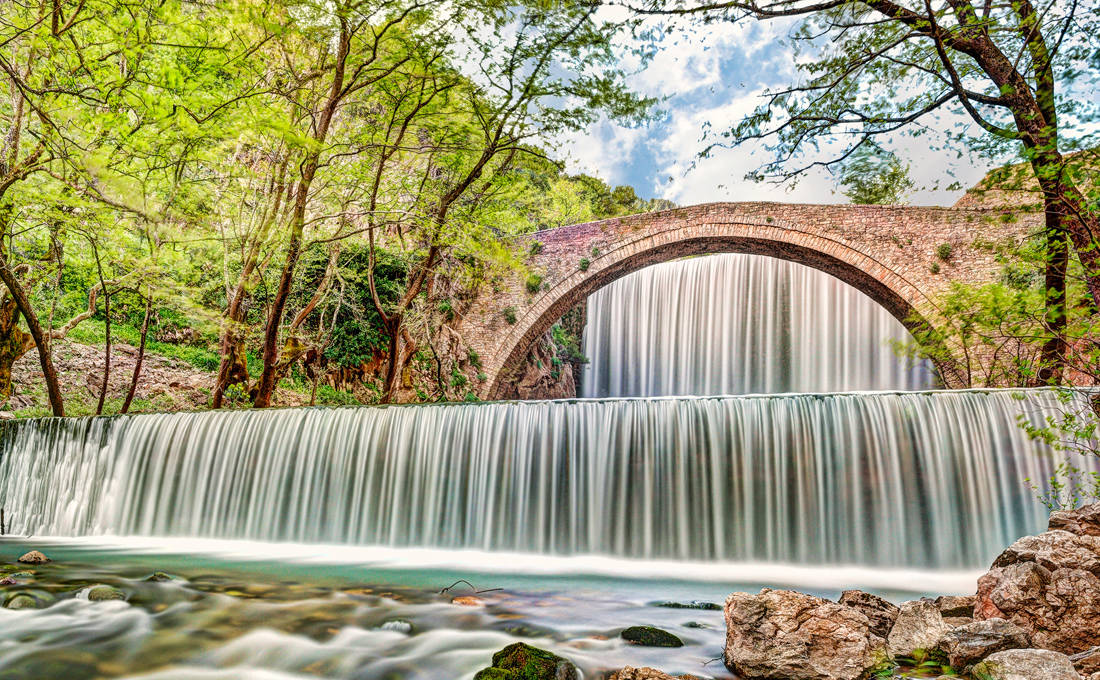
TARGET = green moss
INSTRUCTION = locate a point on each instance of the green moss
(521, 661)
(648, 636)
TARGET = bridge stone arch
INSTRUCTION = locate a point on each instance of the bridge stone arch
(890, 253)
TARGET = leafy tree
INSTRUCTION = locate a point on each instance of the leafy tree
(873, 175)
(869, 68)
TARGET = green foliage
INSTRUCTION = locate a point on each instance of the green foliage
(584, 264)
(473, 357)
(533, 282)
(509, 314)
(568, 344)
(873, 175)
(943, 251)
(1069, 487)
(447, 310)
(328, 396)
(934, 267)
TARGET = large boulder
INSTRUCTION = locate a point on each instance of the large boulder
(881, 613)
(790, 635)
(1049, 584)
(919, 626)
(521, 661)
(1087, 662)
(1026, 664)
(956, 606)
(648, 636)
(969, 644)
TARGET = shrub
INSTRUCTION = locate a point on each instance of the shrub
(473, 357)
(536, 248)
(534, 282)
(584, 264)
(447, 310)
(509, 314)
(943, 251)
(935, 268)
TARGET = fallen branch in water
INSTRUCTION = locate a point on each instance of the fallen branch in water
(472, 587)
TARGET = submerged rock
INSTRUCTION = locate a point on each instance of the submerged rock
(969, 644)
(881, 613)
(468, 601)
(1049, 585)
(1026, 664)
(34, 557)
(648, 636)
(158, 577)
(105, 593)
(694, 604)
(919, 626)
(791, 635)
(646, 673)
(21, 601)
(521, 661)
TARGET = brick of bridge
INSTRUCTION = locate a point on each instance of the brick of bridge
(887, 252)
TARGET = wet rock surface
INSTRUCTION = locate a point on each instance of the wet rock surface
(521, 661)
(650, 636)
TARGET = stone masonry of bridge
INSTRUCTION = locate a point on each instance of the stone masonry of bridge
(887, 252)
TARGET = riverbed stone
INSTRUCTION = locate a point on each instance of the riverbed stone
(1049, 585)
(649, 636)
(646, 673)
(919, 626)
(969, 644)
(791, 635)
(21, 601)
(881, 613)
(34, 557)
(104, 593)
(1027, 664)
(1087, 662)
(521, 661)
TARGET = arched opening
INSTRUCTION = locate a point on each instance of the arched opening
(856, 269)
(729, 323)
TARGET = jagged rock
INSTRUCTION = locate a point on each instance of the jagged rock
(969, 644)
(648, 636)
(956, 606)
(791, 635)
(919, 626)
(878, 611)
(956, 621)
(646, 673)
(1026, 664)
(1049, 585)
(1083, 521)
(34, 557)
(521, 661)
(1087, 662)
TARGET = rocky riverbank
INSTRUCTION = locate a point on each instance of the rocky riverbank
(1035, 616)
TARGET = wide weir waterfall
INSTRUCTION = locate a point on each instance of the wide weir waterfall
(741, 324)
(919, 480)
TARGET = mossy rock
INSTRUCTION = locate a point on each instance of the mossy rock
(523, 662)
(648, 636)
(158, 577)
(21, 601)
(105, 593)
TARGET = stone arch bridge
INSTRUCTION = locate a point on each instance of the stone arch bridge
(890, 253)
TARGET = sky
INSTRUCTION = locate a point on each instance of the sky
(718, 77)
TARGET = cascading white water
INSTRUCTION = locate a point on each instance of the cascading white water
(740, 324)
(931, 479)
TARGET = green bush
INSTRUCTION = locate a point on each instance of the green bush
(584, 264)
(509, 314)
(533, 283)
(943, 251)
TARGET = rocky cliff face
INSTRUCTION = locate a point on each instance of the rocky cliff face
(544, 375)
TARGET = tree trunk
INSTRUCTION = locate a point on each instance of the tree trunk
(1052, 360)
(389, 385)
(140, 357)
(49, 373)
(14, 343)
